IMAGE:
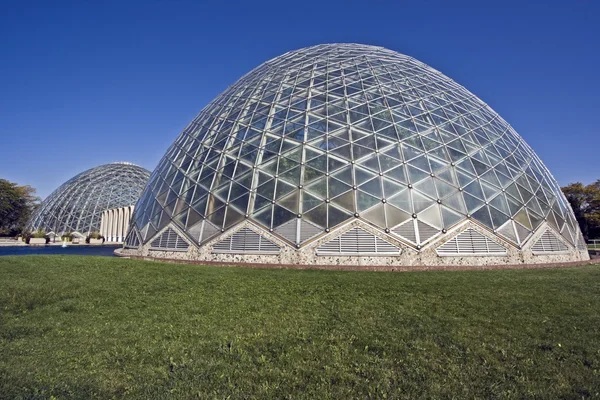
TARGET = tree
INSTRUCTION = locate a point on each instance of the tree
(16, 205)
(585, 201)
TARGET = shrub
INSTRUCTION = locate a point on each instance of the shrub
(40, 233)
(94, 235)
(67, 236)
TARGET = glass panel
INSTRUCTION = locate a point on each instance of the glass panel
(365, 201)
(337, 187)
(218, 217)
(373, 187)
(264, 217)
(420, 202)
(241, 203)
(475, 189)
(283, 189)
(390, 188)
(376, 215)
(260, 202)
(309, 201)
(416, 175)
(432, 216)
(281, 216)
(483, 216)
(319, 188)
(311, 174)
(346, 201)
(232, 217)
(402, 200)
(499, 202)
(472, 203)
(398, 174)
(523, 219)
(498, 218)
(317, 215)
(291, 202)
(450, 218)
(362, 175)
(292, 176)
(334, 164)
(336, 216)
(344, 175)
(427, 187)
(267, 189)
(394, 216)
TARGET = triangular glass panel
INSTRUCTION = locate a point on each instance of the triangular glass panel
(395, 216)
(431, 216)
(483, 216)
(450, 218)
(336, 216)
(365, 201)
(375, 215)
(402, 200)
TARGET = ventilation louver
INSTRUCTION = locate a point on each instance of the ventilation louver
(549, 243)
(357, 241)
(471, 243)
(169, 240)
(246, 241)
(407, 231)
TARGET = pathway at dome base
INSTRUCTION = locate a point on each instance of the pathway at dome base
(355, 148)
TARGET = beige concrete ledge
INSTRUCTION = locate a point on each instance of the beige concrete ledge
(389, 268)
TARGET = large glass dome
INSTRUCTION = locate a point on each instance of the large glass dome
(329, 135)
(77, 205)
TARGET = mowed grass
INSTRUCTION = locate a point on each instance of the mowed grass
(94, 327)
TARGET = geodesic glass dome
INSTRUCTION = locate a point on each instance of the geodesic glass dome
(77, 205)
(317, 138)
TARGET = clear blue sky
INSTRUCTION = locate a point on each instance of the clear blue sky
(86, 83)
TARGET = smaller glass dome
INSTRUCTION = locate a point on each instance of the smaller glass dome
(77, 205)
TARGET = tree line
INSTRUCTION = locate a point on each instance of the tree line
(17, 203)
(585, 201)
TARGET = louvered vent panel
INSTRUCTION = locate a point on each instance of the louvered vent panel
(308, 231)
(406, 231)
(132, 241)
(288, 230)
(357, 241)
(169, 240)
(549, 243)
(470, 242)
(246, 241)
(426, 232)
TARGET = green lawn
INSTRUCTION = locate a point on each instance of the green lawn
(93, 327)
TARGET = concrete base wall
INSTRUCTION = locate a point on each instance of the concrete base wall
(410, 257)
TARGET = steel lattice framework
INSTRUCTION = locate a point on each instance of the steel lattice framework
(325, 134)
(77, 205)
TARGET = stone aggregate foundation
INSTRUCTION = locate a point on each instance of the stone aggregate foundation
(409, 259)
